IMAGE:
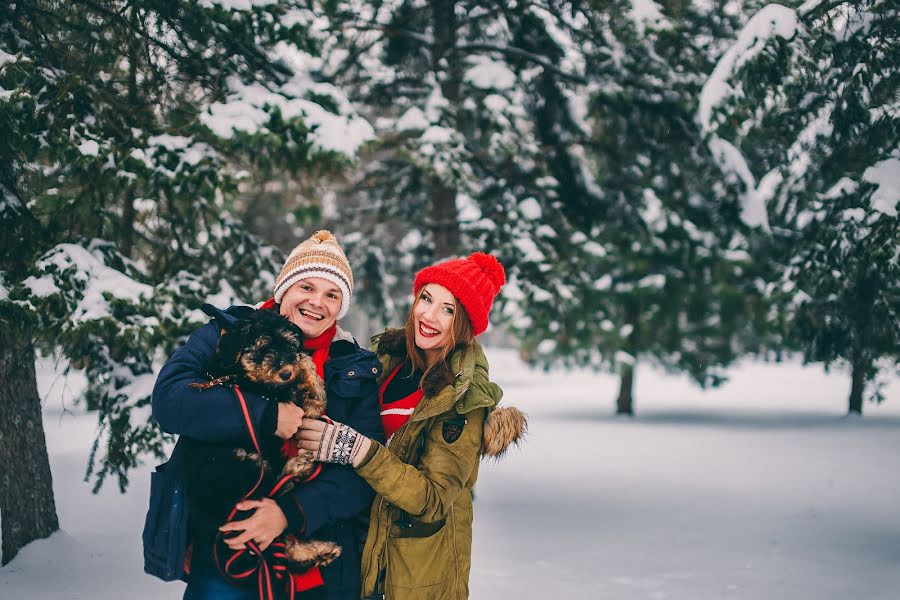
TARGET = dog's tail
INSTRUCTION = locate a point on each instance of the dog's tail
(506, 426)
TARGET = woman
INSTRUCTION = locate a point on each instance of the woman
(437, 411)
(313, 291)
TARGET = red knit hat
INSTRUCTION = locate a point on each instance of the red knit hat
(474, 280)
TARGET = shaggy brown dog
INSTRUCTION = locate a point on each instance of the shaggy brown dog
(262, 352)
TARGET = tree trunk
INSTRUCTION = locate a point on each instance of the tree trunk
(446, 64)
(444, 220)
(27, 507)
(625, 403)
(857, 385)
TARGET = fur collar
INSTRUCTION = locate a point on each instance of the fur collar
(393, 342)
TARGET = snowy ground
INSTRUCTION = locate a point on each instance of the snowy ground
(760, 490)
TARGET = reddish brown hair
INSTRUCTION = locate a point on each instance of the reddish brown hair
(461, 333)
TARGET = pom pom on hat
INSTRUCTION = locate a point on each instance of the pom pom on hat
(318, 256)
(475, 281)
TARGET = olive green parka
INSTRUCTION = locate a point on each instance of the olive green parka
(419, 544)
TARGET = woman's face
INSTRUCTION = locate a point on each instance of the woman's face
(312, 304)
(434, 313)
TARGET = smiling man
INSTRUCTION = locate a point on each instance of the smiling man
(313, 291)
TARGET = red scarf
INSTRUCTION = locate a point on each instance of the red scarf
(320, 347)
(397, 413)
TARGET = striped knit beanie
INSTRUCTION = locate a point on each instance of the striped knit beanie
(319, 256)
(474, 280)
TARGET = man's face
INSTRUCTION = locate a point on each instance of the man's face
(312, 304)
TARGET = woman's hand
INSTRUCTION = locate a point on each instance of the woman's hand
(290, 418)
(263, 526)
(333, 442)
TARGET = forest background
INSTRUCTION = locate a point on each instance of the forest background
(683, 182)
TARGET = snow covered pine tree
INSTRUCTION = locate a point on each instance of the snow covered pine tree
(127, 128)
(802, 112)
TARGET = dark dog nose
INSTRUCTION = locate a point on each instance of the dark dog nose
(285, 375)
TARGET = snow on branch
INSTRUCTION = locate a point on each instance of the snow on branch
(772, 21)
(96, 282)
(886, 176)
(248, 107)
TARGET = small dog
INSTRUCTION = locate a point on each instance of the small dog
(262, 352)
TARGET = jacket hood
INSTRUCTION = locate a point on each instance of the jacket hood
(465, 382)
(466, 370)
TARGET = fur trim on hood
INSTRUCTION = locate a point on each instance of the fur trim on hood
(505, 426)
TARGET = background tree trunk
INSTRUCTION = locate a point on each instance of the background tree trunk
(445, 224)
(624, 403)
(857, 385)
(447, 67)
(27, 507)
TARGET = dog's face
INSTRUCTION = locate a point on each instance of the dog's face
(264, 348)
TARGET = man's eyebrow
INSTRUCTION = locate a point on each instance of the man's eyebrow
(332, 288)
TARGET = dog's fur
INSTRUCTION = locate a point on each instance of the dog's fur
(262, 352)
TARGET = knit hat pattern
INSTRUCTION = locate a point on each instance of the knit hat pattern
(475, 281)
(318, 256)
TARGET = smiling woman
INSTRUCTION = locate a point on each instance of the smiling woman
(438, 412)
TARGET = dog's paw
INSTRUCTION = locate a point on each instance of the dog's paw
(311, 553)
(300, 465)
(246, 455)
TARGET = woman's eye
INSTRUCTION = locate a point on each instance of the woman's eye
(426, 299)
(332, 296)
(448, 310)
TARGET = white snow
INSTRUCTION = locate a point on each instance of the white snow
(244, 110)
(413, 118)
(845, 185)
(191, 152)
(530, 209)
(99, 281)
(762, 489)
(6, 58)
(772, 20)
(89, 148)
(235, 4)
(487, 74)
(647, 13)
(886, 175)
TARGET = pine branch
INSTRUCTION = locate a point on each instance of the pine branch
(520, 53)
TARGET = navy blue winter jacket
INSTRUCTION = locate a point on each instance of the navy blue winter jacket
(335, 504)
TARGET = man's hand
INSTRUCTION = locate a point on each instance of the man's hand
(263, 526)
(333, 442)
(290, 418)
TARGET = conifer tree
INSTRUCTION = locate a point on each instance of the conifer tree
(802, 112)
(128, 127)
(662, 271)
(477, 138)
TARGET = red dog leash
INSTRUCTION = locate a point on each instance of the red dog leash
(269, 565)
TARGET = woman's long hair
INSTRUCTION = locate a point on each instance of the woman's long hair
(460, 335)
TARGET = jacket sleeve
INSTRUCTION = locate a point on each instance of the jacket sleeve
(428, 492)
(212, 415)
(339, 492)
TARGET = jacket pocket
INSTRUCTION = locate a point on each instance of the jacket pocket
(355, 381)
(420, 562)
